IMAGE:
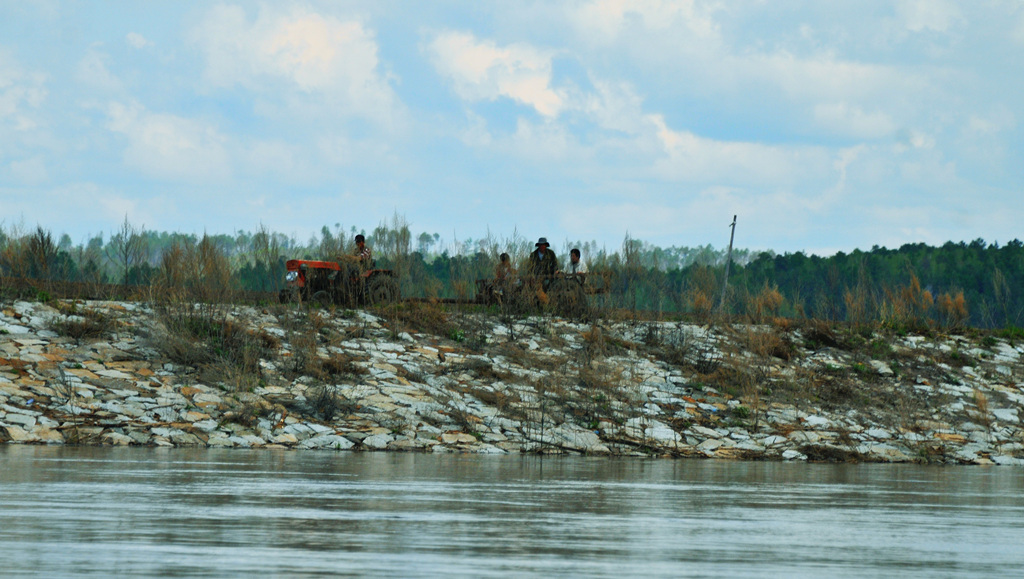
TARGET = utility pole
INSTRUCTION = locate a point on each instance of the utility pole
(728, 262)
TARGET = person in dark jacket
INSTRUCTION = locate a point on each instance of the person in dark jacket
(542, 260)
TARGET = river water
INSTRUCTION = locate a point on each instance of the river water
(145, 512)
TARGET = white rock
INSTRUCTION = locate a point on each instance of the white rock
(1006, 415)
(817, 422)
(882, 368)
(652, 430)
(378, 441)
(327, 441)
(206, 425)
(116, 438)
(878, 434)
(19, 434)
(709, 445)
(22, 419)
(704, 432)
(804, 437)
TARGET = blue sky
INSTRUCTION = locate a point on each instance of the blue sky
(824, 126)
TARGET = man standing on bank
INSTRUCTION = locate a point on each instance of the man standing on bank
(542, 260)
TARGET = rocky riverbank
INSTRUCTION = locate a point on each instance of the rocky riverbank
(416, 378)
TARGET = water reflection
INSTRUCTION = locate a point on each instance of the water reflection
(181, 512)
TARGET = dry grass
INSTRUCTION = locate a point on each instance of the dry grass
(80, 324)
(422, 317)
(981, 403)
(204, 336)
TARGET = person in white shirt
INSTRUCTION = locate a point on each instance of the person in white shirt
(576, 265)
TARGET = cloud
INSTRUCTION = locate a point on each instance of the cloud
(996, 121)
(319, 60)
(169, 146)
(842, 118)
(692, 158)
(482, 70)
(605, 20)
(19, 92)
(921, 15)
(816, 85)
(92, 70)
(137, 41)
(30, 171)
(615, 106)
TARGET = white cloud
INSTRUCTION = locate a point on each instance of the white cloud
(615, 106)
(605, 19)
(999, 120)
(19, 91)
(169, 146)
(136, 40)
(696, 159)
(546, 142)
(920, 15)
(844, 119)
(482, 70)
(30, 171)
(271, 157)
(477, 134)
(824, 77)
(331, 62)
(92, 70)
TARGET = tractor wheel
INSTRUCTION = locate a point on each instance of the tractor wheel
(322, 298)
(382, 290)
(568, 299)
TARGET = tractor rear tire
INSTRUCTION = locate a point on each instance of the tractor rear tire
(382, 290)
(322, 298)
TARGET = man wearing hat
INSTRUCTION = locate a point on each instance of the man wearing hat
(542, 260)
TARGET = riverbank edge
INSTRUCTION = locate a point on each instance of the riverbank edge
(293, 378)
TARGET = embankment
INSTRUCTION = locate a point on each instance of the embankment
(416, 378)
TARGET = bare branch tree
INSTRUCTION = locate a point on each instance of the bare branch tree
(127, 248)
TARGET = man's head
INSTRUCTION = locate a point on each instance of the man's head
(360, 240)
(504, 258)
(574, 255)
(542, 244)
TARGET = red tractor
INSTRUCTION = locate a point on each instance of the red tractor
(329, 282)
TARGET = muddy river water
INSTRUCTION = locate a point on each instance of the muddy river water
(151, 512)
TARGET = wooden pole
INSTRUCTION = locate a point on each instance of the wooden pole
(728, 262)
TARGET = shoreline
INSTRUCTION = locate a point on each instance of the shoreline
(420, 379)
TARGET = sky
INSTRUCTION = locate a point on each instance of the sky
(823, 126)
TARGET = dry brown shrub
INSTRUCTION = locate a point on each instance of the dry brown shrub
(953, 310)
(82, 323)
(765, 304)
(594, 343)
(907, 307)
(772, 344)
(819, 333)
(702, 306)
(856, 307)
(334, 366)
(422, 317)
(981, 403)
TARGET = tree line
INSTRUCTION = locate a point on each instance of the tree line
(956, 284)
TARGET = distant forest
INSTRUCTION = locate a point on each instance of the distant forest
(975, 284)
